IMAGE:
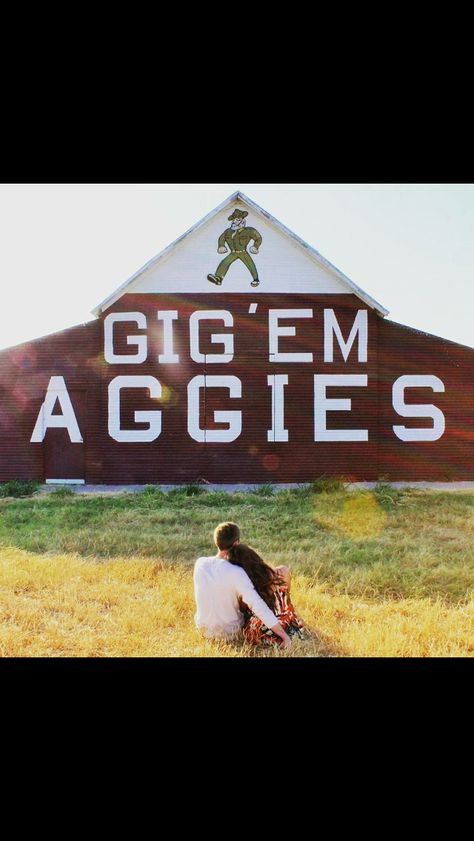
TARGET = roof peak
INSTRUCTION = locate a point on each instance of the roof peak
(239, 196)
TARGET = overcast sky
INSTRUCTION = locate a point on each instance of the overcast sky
(66, 247)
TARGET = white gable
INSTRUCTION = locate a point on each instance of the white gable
(284, 263)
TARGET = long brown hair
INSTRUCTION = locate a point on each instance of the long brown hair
(263, 577)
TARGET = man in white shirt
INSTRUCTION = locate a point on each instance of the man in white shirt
(217, 587)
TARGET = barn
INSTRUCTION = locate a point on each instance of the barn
(238, 354)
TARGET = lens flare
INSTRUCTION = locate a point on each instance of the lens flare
(169, 397)
(360, 517)
(271, 462)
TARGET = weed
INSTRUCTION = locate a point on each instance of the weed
(263, 490)
(387, 496)
(152, 491)
(63, 491)
(186, 490)
(327, 484)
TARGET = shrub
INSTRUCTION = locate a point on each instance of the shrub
(65, 490)
(186, 490)
(328, 484)
(152, 490)
(19, 487)
(387, 496)
(263, 490)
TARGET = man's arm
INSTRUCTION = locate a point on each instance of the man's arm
(246, 589)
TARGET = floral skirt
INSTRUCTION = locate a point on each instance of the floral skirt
(256, 632)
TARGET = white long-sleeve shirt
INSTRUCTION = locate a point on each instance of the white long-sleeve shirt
(217, 586)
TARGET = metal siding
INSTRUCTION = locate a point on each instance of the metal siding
(174, 457)
(403, 350)
(394, 350)
(25, 371)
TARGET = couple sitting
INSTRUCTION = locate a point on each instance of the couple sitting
(236, 589)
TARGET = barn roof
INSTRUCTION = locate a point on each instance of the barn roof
(129, 284)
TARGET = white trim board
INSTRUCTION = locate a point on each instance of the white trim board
(65, 481)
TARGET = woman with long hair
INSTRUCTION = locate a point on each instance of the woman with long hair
(273, 586)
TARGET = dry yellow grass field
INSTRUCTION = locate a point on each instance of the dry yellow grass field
(65, 605)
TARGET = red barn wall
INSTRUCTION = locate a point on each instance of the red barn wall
(175, 457)
(404, 350)
(25, 371)
(77, 355)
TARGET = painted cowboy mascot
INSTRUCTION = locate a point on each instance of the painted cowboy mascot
(237, 237)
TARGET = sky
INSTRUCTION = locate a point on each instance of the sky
(66, 247)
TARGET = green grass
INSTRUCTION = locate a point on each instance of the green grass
(389, 543)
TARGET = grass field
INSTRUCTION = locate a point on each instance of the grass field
(388, 573)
